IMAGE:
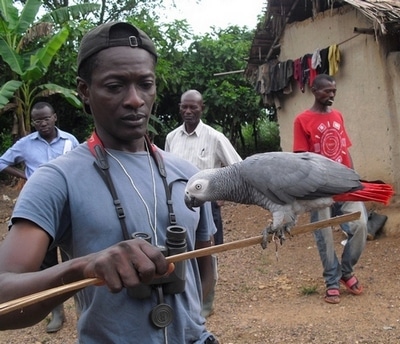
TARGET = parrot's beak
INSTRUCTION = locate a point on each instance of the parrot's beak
(189, 201)
(192, 202)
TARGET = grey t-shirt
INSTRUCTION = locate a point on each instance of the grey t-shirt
(71, 202)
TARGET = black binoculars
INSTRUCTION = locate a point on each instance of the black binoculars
(174, 283)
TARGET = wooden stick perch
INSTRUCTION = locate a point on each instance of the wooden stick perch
(45, 294)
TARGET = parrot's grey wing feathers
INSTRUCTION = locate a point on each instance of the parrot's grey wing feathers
(275, 175)
(285, 176)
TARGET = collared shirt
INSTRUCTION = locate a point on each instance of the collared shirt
(205, 147)
(33, 150)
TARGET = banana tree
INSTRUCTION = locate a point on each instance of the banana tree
(27, 48)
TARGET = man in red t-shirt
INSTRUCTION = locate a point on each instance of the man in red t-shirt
(321, 130)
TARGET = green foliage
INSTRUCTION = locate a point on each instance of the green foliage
(104, 11)
(261, 136)
(309, 290)
(7, 91)
(62, 15)
(229, 99)
(5, 141)
(28, 48)
(186, 61)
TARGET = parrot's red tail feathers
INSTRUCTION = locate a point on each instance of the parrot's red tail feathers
(371, 192)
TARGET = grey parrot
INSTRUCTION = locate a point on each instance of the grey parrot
(286, 184)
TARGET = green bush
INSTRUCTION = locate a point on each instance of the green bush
(263, 136)
(5, 141)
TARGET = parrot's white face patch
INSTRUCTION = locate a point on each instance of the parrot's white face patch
(198, 188)
(195, 193)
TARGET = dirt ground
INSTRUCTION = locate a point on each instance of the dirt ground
(269, 296)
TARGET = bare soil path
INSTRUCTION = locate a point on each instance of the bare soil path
(262, 296)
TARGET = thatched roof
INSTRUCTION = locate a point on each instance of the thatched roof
(383, 14)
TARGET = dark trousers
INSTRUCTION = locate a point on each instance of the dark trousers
(208, 303)
(216, 212)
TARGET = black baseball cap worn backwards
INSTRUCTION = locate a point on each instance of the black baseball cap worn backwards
(114, 34)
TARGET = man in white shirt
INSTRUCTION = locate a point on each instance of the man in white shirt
(204, 147)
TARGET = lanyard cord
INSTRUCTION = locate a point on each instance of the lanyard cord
(161, 169)
(153, 226)
(101, 164)
(102, 167)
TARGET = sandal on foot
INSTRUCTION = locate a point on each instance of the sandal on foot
(332, 296)
(352, 285)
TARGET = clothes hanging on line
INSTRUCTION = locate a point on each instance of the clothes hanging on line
(274, 77)
(334, 59)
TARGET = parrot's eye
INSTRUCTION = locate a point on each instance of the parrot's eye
(198, 186)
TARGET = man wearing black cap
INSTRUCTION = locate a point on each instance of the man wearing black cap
(113, 187)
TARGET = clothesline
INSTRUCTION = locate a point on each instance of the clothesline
(242, 70)
(349, 39)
